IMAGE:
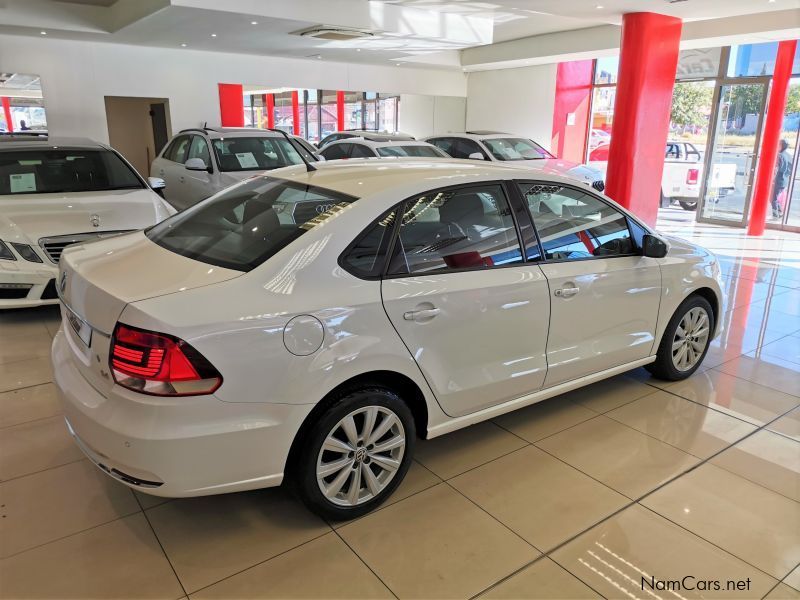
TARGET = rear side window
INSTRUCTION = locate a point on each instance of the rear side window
(360, 151)
(462, 228)
(367, 255)
(247, 224)
(335, 152)
(421, 151)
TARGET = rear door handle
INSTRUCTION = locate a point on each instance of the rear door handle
(566, 292)
(421, 315)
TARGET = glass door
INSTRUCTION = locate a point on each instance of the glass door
(731, 161)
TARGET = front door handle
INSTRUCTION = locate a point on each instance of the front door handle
(566, 292)
(421, 315)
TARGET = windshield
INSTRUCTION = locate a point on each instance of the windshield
(254, 153)
(50, 171)
(516, 149)
(424, 151)
(242, 227)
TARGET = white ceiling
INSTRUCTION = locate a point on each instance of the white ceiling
(426, 32)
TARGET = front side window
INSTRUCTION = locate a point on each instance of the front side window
(574, 225)
(516, 149)
(446, 145)
(245, 225)
(336, 151)
(361, 151)
(199, 149)
(421, 151)
(254, 153)
(469, 227)
(178, 150)
(58, 171)
(465, 148)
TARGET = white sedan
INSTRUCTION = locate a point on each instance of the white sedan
(56, 192)
(307, 325)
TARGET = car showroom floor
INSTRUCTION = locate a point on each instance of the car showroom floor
(580, 496)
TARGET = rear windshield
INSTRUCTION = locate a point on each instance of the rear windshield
(53, 171)
(245, 225)
(424, 151)
(254, 153)
(516, 149)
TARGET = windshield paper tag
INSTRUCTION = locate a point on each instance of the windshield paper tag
(246, 160)
(22, 182)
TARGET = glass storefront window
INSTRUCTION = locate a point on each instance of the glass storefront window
(606, 70)
(328, 122)
(283, 111)
(387, 113)
(752, 60)
(311, 121)
(26, 103)
(353, 109)
(788, 200)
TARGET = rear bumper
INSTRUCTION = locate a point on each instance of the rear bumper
(38, 281)
(175, 447)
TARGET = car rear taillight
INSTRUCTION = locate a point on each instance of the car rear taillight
(692, 175)
(159, 364)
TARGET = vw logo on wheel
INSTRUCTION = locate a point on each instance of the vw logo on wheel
(94, 219)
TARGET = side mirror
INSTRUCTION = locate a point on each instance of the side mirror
(196, 164)
(653, 247)
(156, 183)
(476, 156)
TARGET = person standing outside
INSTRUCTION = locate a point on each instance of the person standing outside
(783, 167)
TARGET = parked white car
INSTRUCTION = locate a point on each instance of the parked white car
(367, 147)
(307, 325)
(58, 192)
(518, 150)
(198, 163)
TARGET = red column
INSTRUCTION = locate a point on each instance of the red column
(773, 123)
(231, 104)
(271, 111)
(647, 66)
(571, 109)
(340, 111)
(295, 113)
(7, 111)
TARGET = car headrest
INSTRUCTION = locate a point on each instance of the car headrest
(464, 209)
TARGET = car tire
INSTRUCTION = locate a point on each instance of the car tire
(690, 205)
(325, 479)
(681, 352)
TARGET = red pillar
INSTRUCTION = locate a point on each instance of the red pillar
(295, 113)
(271, 111)
(647, 66)
(773, 123)
(571, 109)
(7, 112)
(231, 104)
(340, 111)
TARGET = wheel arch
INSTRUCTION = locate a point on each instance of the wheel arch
(711, 297)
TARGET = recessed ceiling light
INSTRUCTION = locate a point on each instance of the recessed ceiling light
(253, 22)
(213, 35)
(396, 64)
(599, 6)
(183, 45)
(319, 56)
(43, 32)
(358, 49)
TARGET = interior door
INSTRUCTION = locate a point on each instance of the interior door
(472, 314)
(731, 163)
(604, 296)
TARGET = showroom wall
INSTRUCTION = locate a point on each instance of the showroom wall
(427, 115)
(513, 100)
(77, 75)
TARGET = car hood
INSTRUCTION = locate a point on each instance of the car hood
(559, 166)
(29, 217)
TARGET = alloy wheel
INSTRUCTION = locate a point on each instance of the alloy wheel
(690, 339)
(360, 456)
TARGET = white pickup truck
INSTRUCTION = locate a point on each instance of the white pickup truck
(683, 173)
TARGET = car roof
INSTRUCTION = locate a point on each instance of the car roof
(376, 136)
(221, 132)
(361, 177)
(378, 143)
(15, 143)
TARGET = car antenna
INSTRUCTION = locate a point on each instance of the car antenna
(309, 166)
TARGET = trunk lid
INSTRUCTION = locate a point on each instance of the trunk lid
(98, 279)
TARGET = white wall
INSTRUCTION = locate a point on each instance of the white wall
(422, 116)
(77, 75)
(513, 100)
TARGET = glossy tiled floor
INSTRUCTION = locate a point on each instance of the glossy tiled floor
(578, 497)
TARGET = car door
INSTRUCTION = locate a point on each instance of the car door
(173, 172)
(470, 309)
(604, 294)
(199, 185)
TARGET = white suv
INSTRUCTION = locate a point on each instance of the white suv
(370, 148)
(198, 163)
(513, 149)
(307, 325)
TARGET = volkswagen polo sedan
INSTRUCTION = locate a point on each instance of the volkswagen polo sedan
(307, 325)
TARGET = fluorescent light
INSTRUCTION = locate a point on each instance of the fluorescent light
(599, 6)
(183, 45)
(43, 32)
(253, 22)
(213, 35)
